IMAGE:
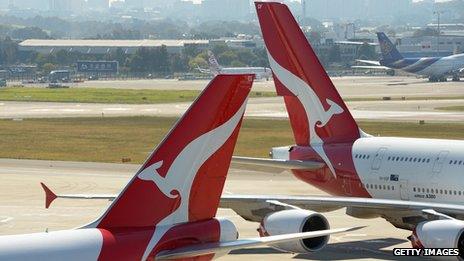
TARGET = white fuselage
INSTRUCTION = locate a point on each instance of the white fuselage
(260, 72)
(411, 169)
(69, 245)
(445, 65)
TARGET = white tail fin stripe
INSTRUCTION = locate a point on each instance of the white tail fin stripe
(182, 173)
(316, 115)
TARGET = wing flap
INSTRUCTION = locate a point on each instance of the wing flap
(213, 248)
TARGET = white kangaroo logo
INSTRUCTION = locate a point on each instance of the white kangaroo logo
(316, 114)
(182, 172)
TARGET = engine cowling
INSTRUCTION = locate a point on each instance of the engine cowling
(228, 232)
(295, 221)
(439, 234)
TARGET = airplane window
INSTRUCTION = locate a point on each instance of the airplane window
(460, 162)
(427, 190)
(423, 160)
(402, 158)
(397, 158)
(451, 162)
(459, 192)
(449, 191)
(441, 191)
(375, 186)
(446, 192)
(454, 192)
(393, 187)
(455, 162)
(388, 158)
(428, 160)
(414, 189)
(383, 187)
(368, 156)
(410, 159)
(415, 159)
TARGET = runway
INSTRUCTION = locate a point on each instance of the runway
(22, 206)
(348, 86)
(409, 110)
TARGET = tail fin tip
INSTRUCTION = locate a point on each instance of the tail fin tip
(50, 196)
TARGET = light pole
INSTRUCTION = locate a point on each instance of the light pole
(438, 13)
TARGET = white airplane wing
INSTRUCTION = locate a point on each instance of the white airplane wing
(370, 67)
(212, 248)
(247, 205)
(356, 43)
(369, 62)
(279, 163)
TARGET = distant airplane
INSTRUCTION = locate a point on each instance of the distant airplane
(167, 210)
(435, 68)
(215, 69)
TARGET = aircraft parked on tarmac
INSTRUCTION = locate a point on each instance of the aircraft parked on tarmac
(167, 210)
(435, 68)
(215, 69)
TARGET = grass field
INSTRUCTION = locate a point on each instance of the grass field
(94, 95)
(111, 139)
(451, 108)
(144, 96)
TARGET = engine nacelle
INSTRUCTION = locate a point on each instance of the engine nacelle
(229, 231)
(439, 234)
(295, 221)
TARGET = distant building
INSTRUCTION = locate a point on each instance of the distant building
(98, 4)
(128, 46)
(106, 46)
(61, 5)
(428, 45)
(135, 4)
(225, 9)
(354, 9)
(25, 4)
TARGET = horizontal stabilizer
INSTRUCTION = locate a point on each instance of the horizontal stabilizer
(211, 248)
(50, 196)
(279, 163)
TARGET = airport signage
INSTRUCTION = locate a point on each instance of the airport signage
(97, 66)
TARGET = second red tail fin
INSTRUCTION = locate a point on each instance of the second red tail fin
(316, 110)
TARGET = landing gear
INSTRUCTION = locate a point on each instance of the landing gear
(437, 79)
(456, 78)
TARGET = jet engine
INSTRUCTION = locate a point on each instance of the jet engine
(447, 233)
(295, 221)
(229, 231)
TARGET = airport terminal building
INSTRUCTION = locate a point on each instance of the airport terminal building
(128, 46)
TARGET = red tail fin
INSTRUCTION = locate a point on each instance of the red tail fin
(182, 180)
(49, 195)
(317, 112)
